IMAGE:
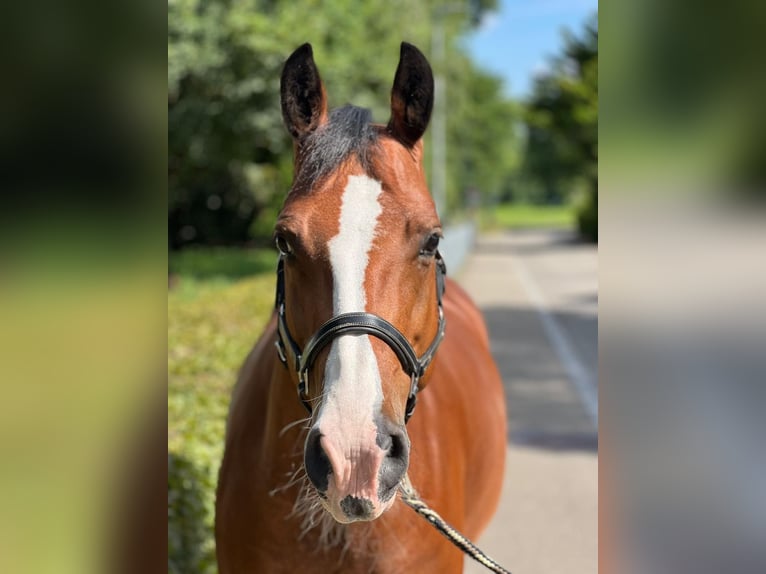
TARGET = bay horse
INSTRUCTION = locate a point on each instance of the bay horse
(361, 307)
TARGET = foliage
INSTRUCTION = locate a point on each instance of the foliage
(213, 321)
(562, 124)
(587, 216)
(220, 262)
(229, 156)
(482, 125)
(190, 546)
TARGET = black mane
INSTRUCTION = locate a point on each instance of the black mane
(348, 131)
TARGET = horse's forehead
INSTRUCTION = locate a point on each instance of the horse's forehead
(317, 210)
(398, 177)
(398, 169)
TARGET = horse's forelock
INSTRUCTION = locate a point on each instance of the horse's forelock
(348, 132)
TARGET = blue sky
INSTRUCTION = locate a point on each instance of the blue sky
(516, 41)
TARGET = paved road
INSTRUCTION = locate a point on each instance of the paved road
(539, 294)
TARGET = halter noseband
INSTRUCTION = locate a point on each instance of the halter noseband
(357, 323)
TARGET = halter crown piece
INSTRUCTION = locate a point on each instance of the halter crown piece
(356, 323)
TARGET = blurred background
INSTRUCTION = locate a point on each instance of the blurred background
(87, 256)
(511, 159)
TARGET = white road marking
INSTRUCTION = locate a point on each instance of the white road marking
(581, 377)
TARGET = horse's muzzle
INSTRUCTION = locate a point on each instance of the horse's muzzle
(357, 477)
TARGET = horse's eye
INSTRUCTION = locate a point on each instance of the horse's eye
(430, 246)
(283, 245)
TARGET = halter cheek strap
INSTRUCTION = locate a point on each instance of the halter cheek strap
(358, 323)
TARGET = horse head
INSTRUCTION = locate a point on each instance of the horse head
(358, 233)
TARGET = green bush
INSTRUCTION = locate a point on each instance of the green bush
(587, 217)
(217, 308)
(190, 546)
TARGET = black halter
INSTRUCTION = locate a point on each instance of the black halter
(357, 323)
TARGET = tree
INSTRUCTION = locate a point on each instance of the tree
(562, 125)
(482, 155)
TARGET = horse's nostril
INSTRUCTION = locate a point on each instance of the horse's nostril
(394, 464)
(315, 459)
(398, 447)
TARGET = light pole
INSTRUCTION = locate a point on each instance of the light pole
(439, 124)
(439, 127)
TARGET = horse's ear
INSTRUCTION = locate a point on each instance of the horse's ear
(412, 97)
(304, 103)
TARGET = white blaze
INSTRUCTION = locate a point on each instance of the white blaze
(352, 379)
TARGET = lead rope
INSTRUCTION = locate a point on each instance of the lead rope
(410, 497)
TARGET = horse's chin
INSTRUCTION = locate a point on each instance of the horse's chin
(333, 508)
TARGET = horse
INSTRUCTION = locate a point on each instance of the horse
(362, 304)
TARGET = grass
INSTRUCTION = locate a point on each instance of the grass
(218, 305)
(525, 216)
(221, 263)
